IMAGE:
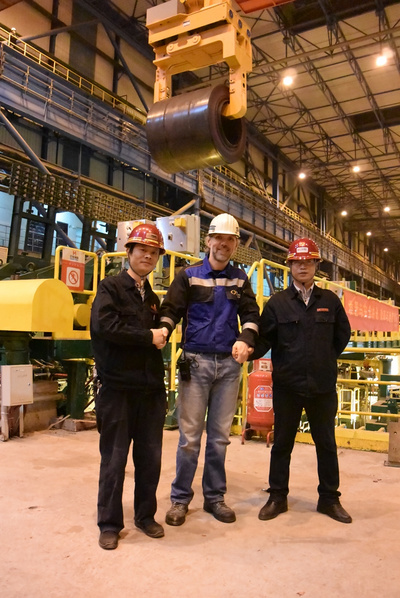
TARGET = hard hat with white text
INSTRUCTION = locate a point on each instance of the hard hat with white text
(303, 249)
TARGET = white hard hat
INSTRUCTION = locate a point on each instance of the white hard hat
(224, 224)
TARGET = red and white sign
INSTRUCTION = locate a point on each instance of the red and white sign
(73, 269)
(369, 314)
(263, 398)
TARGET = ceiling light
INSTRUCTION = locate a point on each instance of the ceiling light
(356, 168)
(386, 209)
(343, 213)
(369, 233)
(287, 81)
(381, 60)
(386, 249)
(302, 175)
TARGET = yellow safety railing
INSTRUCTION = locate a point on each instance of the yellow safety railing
(257, 274)
(258, 271)
(60, 69)
(58, 261)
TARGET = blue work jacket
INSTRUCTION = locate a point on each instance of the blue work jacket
(210, 301)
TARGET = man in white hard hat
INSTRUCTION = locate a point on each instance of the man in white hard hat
(131, 402)
(209, 296)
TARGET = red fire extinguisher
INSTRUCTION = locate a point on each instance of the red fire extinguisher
(260, 413)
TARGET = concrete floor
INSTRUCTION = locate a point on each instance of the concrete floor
(48, 491)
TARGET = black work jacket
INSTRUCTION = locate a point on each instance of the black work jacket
(121, 338)
(306, 340)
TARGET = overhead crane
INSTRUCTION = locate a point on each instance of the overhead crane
(204, 127)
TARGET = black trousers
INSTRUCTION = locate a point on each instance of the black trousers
(321, 411)
(124, 416)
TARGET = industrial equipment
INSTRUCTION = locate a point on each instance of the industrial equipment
(16, 389)
(203, 127)
(181, 233)
(36, 317)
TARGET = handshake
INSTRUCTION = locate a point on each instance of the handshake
(160, 336)
(241, 351)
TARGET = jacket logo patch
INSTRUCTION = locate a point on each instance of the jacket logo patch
(323, 309)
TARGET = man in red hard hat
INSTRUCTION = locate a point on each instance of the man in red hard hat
(307, 329)
(131, 402)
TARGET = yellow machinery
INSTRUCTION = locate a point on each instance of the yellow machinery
(48, 305)
(44, 317)
(204, 127)
(42, 305)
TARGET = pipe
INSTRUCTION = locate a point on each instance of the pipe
(127, 69)
(58, 228)
(183, 209)
(50, 32)
(21, 141)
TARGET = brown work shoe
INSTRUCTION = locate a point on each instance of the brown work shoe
(150, 528)
(272, 509)
(176, 515)
(108, 540)
(335, 511)
(220, 510)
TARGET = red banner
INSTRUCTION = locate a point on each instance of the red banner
(367, 314)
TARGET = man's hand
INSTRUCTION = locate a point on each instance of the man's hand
(160, 336)
(241, 351)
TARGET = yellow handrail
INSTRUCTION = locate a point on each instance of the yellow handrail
(57, 258)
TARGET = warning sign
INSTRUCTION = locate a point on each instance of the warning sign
(73, 269)
(263, 398)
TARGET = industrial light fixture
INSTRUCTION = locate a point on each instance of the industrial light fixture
(356, 167)
(302, 175)
(386, 249)
(287, 80)
(343, 213)
(369, 233)
(381, 60)
(288, 76)
(384, 56)
(386, 209)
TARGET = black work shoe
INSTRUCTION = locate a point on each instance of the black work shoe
(221, 511)
(108, 540)
(272, 509)
(150, 528)
(335, 511)
(176, 515)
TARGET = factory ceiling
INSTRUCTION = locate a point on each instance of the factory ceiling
(341, 110)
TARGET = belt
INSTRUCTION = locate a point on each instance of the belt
(223, 355)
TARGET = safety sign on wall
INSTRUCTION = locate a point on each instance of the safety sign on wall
(73, 269)
(263, 398)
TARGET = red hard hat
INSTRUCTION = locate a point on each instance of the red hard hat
(146, 234)
(303, 249)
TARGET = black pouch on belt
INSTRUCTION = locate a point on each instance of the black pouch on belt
(184, 367)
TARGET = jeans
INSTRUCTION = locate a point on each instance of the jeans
(124, 416)
(213, 389)
(321, 411)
